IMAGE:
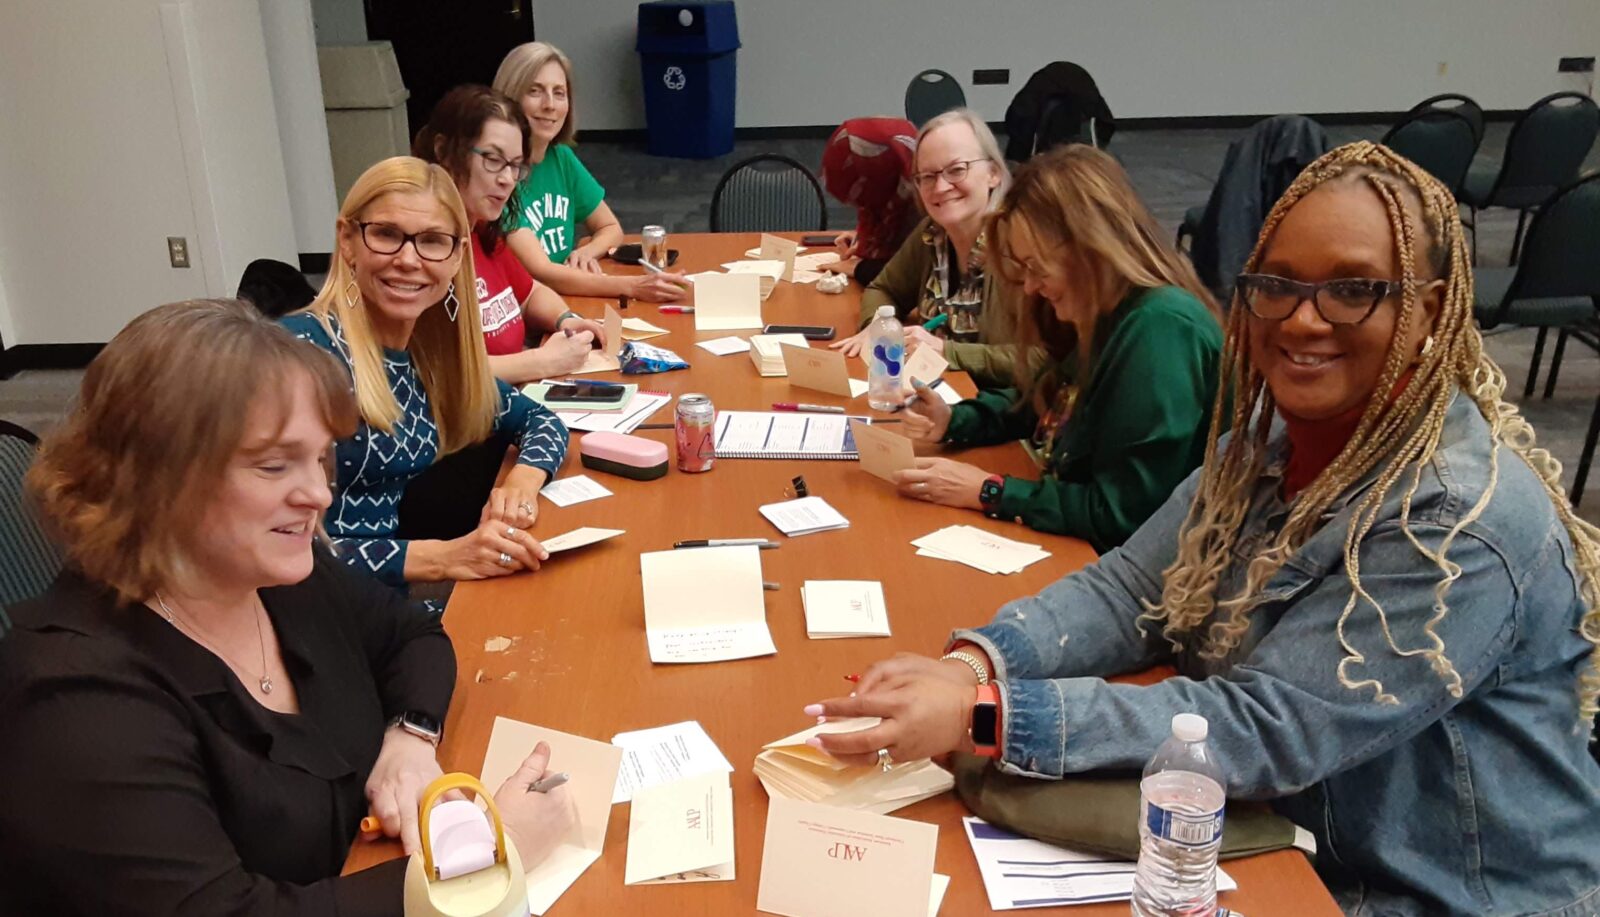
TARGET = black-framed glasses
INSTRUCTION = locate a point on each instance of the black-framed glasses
(954, 173)
(387, 239)
(494, 163)
(1344, 301)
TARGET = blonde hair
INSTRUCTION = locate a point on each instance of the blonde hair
(521, 67)
(449, 355)
(160, 414)
(1398, 437)
(1078, 200)
(987, 145)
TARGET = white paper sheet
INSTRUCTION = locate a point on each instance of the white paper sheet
(625, 421)
(579, 538)
(664, 754)
(681, 832)
(844, 608)
(981, 549)
(579, 488)
(705, 605)
(724, 346)
(804, 516)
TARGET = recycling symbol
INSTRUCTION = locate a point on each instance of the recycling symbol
(674, 78)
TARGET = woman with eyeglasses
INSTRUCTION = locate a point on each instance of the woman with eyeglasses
(1118, 408)
(559, 200)
(481, 138)
(1374, 590)
(938, 281)
(400, 309)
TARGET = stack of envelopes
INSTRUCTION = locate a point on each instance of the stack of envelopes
(791, 769)
(766, 352)
(979, 549)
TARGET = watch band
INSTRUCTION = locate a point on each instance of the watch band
(985, 731)
(989, 494)
(407, 722)
(978, 668)
(564, 316)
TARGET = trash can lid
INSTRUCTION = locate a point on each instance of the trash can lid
(694, 26)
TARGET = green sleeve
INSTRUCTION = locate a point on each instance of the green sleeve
(992, 417)
(1148, 411)
(989, 365)
(586, 193)
(900, 282)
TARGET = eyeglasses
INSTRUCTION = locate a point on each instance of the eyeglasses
(1345, 301)
(954, 173)
(387, 239)
(494, 164)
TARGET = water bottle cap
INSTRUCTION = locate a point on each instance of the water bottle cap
(1190, 727)
(886, 311)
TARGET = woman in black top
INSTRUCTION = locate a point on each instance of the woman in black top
(202, 708)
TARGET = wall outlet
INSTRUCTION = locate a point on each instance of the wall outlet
(991, 77)
(1575, 65)
(178, 251)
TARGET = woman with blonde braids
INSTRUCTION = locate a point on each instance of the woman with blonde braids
(1375, 590)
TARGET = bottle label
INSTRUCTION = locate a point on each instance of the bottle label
(1181, 828)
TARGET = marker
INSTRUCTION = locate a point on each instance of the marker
(770, 587)
(677, 310)
(546, 784)
(807, 408)
(933, 324)
(761, 543)
(853, 679)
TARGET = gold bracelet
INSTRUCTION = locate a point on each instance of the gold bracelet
(978, 668)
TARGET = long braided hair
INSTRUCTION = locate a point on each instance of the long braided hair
(1398, 437)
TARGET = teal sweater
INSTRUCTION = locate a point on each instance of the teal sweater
(1137, 429)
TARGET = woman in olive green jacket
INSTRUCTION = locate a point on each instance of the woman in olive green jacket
(937, 281)
(1120, 409)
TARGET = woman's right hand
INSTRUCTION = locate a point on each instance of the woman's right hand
(563, 353)
(844, 244)
(537, 822)
(659, 288)
(851, 345)
(477, 554)
(927, 417)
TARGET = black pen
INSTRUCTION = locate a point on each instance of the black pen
(761, 543)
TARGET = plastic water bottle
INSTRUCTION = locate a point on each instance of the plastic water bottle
(1180, 826)
(886, 355)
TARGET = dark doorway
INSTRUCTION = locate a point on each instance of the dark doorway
(440, 45)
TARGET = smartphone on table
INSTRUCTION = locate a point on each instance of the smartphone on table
(825, 241)
(599, 394)
(811, 332)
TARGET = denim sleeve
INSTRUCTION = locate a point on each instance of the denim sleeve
(540, 435)
(1280, 719)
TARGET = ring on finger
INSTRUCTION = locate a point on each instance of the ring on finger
(884, 761)
(511, 531)
(505, 559)
(527, 508)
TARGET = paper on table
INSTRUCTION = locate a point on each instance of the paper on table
(756, 252)
(579, 488)
(1019, 872)
(781, 250)
(606, 359)
(637, 329)
(816, 368)
(804, 516)
(818, 859)
(807, 276)
(792, 769)
(705, 605)
(593, 766)
(814, 261)
(540, 392)
(844, 608)
(925, 365)
(665, 754)
(762, 268)
(626, 421)
(725, 346)
(882, 452)
(941, 884)
(727, 302)
(578, 538)
(681, 832)
(858, 387)
(984, 550)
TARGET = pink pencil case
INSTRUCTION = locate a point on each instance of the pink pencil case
(628, 456)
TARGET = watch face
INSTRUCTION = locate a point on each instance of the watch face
(983, 724)
(423, 722)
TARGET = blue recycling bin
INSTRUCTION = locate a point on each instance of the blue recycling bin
(688, 55)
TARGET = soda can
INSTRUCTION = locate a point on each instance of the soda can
(653, 245)
(695, 429)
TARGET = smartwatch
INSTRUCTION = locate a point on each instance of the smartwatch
(421, 725)
(989, 493)
(986, 722)
(564, 316)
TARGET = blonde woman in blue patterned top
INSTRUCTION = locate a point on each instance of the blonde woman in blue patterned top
(399, 309)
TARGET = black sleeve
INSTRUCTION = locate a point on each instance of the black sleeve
(868, 269)
(114, 815)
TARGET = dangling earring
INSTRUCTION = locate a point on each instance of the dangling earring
(1427, 345)
(451, 304)
(352, 292)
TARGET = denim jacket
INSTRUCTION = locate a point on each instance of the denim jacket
(1484, 804)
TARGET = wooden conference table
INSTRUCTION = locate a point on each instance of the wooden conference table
(578, 661)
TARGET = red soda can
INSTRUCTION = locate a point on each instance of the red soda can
(695, 429)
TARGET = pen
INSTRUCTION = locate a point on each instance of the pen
(762, 543)
(770, 587)
(677, 310)
(656, 270)
(546, 784)
(934, 323)
(807, 408)
(586, 382)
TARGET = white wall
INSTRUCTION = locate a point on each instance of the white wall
(821, 61)
(302, 128)
(122, 123)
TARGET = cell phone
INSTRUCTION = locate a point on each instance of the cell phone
(563, 391)
(811, 332)
(633, 252)
(825, 241)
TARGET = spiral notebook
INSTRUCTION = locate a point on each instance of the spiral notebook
(785, 435)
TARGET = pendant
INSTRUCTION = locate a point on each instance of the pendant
(266, 685)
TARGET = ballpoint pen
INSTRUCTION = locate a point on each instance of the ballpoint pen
(546, 784)
(761, 543)
(656, 270)
(807, 408)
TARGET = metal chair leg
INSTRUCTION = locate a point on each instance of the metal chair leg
(1555, 363)
(1516, 240)
(1533, 364)
(1576, 494)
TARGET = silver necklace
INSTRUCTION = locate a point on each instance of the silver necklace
(265, 682)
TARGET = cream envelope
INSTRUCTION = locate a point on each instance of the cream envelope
(816, 368)
(681, 832)
(844, 608)
(727, 302)
(606, 359)
(821, 861)
(925, 365)
(578, 538)
(705, 605)
(794, 770)
(593, 766)
(637, 329)
(882, 453)
(775, 248)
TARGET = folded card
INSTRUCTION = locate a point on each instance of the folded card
(925, 365)
(605, 359)
(822, 861)
(578, 538)
(816, 368)
(727, 302)
(844, 608)
(705, 605)
(681, 832)
(777, 248)
(882, 452)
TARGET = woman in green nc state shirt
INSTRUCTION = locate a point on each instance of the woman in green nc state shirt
(1119, 413)
(560, 199)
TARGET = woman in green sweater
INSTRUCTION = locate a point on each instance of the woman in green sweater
(1119, 412)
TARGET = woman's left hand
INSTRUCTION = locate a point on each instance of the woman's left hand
(917, 336)
(577, 324)
(406, 765)
(943, 481)
(923, 716)
(516, 501)
(585, 260)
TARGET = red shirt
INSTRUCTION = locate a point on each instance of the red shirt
(503, 286)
